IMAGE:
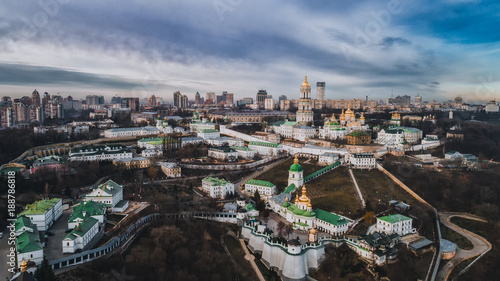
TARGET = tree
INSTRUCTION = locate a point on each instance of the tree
(256, 196)
(45, 272)
(280, 228)
(152, 173)
(288, 230)
(369, 217)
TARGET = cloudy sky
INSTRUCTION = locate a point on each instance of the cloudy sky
(143, 47)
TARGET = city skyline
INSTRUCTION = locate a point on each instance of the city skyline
(438, 51)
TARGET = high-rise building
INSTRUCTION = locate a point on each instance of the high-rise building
(183, 101)
(94, 99)
(261, 98)
(282, 97)
(116, 100)
(269, 104)
(177, 98)
(21, 111)
(304, 113)
(132, 103)
(35, 98)
(400, 100)
(459, 100)
(219, 98)
(210, 97)
(320, 90)
(197, 98)
(418, 101)
(152, 100)
(229, 99)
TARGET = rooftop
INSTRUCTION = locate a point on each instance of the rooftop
(39, 207)
(260, 183)
(330, 217)
(394, 218)
(268, 144)
(82, 228)
(215, 181)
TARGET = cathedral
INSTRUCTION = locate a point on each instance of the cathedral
(347, 123)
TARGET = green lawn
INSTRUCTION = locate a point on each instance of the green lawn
(378, 189)
(334, 192)
(457, 238)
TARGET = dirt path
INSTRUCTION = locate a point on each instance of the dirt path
(481, 245)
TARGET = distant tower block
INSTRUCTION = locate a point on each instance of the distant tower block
(320, 88)
(450, 115)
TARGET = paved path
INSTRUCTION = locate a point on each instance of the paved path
(481, 245)
(357, 189)
(249, 257)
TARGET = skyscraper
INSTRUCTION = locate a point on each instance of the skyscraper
(35, 98)
(304, 113)
(197, 98)
(320, 90)
(261, 98)
(177, 98)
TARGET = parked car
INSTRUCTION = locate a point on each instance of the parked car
(69, 230)
(49, 233)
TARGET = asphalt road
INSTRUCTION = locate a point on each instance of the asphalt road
(481, 245)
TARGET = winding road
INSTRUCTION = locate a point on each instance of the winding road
(481, 245)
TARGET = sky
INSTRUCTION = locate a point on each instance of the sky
(138, 48)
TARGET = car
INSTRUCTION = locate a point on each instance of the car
(1, 234)
(69, 230)
(49, 233)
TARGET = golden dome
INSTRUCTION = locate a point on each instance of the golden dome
(305, 83)
(349, 111)
(304, 198)
(342, 116)
(362, 116)
(313, 231)
(24, 264)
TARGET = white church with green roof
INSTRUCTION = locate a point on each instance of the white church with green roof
(301, 212)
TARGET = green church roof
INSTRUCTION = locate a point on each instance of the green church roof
(296, 168)
(394, 218)
(330, 217)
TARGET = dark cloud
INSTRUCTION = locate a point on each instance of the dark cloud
(22, 75)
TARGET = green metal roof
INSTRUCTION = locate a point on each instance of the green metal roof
(111, 187)
(300, 212)
(215, 181)
(330, 217)
(394, 218)
(210, 131)
(39, 207)
(251, 207)
(289, 123)
(82, 228)
(358, 134)
(241, 148)
(91, 208)
(296, 168)
(268, 144)
(289, 189)
(337, 163)
(22, 221)
(28, 242)
(260, 182)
